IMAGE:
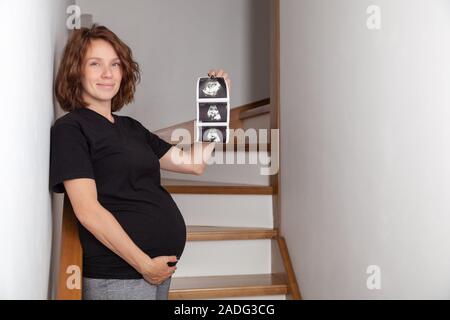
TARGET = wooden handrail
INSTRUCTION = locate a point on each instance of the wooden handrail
(235, 113)
(255, 112)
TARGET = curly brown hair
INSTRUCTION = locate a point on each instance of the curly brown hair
(68, 87)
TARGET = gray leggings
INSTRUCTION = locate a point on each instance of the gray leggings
(124, 289)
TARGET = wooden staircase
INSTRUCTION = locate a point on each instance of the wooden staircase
(210, 287)
(280, 282)
(230, 286)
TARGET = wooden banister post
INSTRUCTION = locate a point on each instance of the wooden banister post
(71, 258)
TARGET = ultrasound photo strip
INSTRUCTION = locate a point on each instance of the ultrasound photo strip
(213, 110)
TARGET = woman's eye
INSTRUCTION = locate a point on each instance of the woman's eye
(116, 64)
(94, 64)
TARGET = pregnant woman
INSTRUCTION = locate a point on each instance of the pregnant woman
(131, 231)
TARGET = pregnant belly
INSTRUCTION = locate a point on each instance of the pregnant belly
(156, 232)
(167, 238)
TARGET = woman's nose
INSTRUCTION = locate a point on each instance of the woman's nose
(107, 72)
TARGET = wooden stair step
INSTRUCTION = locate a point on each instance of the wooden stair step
(227, 286)
(244, 147)
(211, 233)
(206, 187)
(252, 147)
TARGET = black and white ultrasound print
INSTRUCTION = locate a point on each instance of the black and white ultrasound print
(213, 112)
(212, 88)
(213, 134)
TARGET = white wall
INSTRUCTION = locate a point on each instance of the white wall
(33, 33)
(177, 41)
(365, 161)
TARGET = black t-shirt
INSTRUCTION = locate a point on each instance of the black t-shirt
(123, 159)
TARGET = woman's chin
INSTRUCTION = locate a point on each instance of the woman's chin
(105, 97)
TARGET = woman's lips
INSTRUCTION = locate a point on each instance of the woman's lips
(105, 86)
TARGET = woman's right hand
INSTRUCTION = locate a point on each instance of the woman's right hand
(156, 270)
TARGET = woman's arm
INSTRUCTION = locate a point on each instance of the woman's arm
(104, 226)
(190, 162)
(190, 165)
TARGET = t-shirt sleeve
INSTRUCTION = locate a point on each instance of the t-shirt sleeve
(69, 156)
(159, 146)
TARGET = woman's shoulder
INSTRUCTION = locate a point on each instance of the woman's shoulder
(70, 118)
(132, 121)
(73, 122)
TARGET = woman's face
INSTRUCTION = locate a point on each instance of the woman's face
(102, 72)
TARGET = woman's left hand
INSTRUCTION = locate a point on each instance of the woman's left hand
(220, 74)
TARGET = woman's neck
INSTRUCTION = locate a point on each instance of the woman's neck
(102, 107)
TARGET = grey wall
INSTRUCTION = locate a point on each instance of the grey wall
(33, 34)
(177, 41)
(365, 119)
